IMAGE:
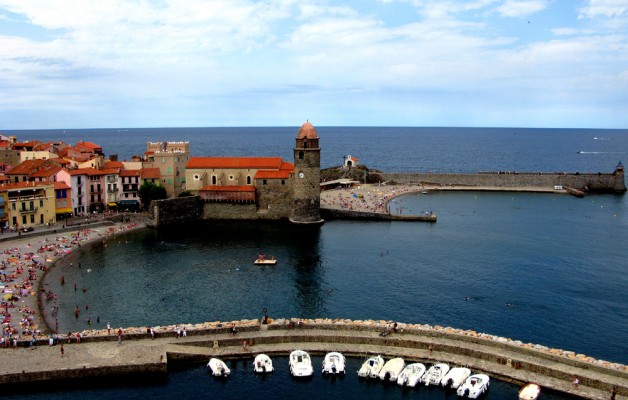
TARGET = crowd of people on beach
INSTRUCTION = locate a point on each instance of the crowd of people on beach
(364, 198)
(22, 266)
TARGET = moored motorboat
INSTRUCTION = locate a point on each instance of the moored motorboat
(411, 374)
(334, 364)
(300, 364)
(391, 370)
(435, 374)
(371, 367)
(218, 367)
(455, 377)
(474, 386)
(530, 391)
(262, 364)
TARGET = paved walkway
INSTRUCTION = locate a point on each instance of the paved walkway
(108, 356)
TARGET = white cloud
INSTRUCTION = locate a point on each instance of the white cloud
(197, 57)
(521, 8)
(605, 8)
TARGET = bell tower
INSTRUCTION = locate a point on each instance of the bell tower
(307, 177)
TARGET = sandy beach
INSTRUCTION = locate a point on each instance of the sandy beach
(24, 260)
(374, 198)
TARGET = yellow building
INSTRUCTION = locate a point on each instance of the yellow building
(27, 204)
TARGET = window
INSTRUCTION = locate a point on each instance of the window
(163, 160)
(301, 155)
(213, 179)
(196, 177)
(283, 182)
(230, 177)
(32, 218)
(248, 180)
(41, 203)
(13, 208)
(264, 182)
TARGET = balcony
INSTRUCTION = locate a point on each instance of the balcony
(28, 210)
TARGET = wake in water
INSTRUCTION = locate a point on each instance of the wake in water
(601, 152)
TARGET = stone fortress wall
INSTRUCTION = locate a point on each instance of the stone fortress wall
(593, 182)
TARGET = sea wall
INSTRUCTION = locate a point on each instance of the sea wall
(330, 213)
(594, 182)
(500, 357)
(176, 211)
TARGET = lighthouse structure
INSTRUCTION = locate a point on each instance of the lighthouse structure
(306, 205)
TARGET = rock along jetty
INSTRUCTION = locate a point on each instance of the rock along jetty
(151, 351)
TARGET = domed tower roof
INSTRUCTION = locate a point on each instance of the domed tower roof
(307, 131)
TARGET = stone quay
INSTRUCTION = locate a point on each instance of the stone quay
(102, 354)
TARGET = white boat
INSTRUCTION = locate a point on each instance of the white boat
(300, 364)
(391, 370)
(334, 364)
(371, 367)
(262, 260)
(474, 386)
(262, 364)
(218, 367)
(411, 374)
(435, 374)
(455, 377)
(530, 391)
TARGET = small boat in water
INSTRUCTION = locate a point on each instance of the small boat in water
(391, 370)
(455, 377)
(530, 391)
(262, 364)
(300, 364)
(334, 364)
(411, 375)
(218, 367)
(263, 260)
(371, 367)
(435, 374)
(474, 386)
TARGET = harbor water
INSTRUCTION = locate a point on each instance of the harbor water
(540, 268)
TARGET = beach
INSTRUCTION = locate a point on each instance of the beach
(374, 198)
(24, 260)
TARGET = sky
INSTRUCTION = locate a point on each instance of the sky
(193, 63)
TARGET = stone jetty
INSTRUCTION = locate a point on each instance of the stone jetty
(101, 353)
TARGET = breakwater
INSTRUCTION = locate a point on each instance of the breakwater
(101, 354)
(589, 182)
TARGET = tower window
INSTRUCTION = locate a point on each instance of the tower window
(301, 155)
(213, 179)
(248, 180)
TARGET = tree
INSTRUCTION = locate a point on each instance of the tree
(150, 191)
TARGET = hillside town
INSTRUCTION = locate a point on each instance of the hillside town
(44, 183)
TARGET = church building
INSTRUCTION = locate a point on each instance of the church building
(260, 187)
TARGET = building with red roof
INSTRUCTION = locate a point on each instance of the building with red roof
(265, 187)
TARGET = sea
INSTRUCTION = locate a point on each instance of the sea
(548, 269)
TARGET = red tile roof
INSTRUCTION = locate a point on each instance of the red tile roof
(26, 167)
(130, 172)
(228, 189)
(266, 174)
(114, 164)
(22, 185)
(234, 163)
(89, 145)
(287, 166)
(59, 185)
(150, 173)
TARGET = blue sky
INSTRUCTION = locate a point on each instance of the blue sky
(169, 63)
